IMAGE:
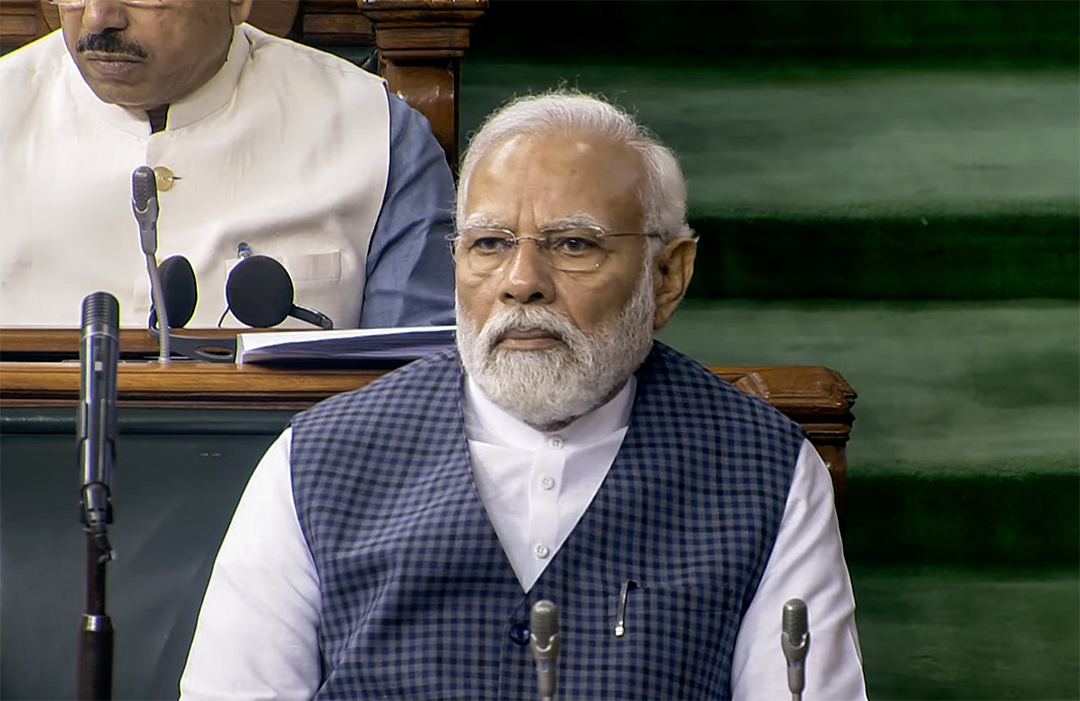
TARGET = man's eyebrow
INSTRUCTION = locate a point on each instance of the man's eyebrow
(481, 221)
(573, 221)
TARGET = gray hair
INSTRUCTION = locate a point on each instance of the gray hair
(663, 199)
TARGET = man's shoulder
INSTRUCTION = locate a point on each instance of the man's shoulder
(34, 61)
(410, 388)
(276, 53)
(29, 78)
(682, 380)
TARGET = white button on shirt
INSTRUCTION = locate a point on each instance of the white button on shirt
(257, 635)
(515, 464)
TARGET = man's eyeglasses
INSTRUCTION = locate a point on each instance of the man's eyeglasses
(580, 249)
(77, 4)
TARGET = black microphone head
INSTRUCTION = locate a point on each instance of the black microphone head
(143, 187)
(259, 292)
(100, 308)
(795, 620)
(181, 290)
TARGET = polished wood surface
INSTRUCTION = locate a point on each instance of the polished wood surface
(22, 21)
(36, 345)
(816, 397)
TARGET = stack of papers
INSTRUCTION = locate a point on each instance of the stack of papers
(360, 348)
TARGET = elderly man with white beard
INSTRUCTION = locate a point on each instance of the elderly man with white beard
(393, 540)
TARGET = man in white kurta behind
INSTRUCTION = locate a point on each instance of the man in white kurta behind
(258, 144)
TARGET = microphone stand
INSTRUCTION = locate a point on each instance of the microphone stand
(95, 655)
(96, 429)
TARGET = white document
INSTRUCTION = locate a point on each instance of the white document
(377, 347)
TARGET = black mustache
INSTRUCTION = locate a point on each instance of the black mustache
(112, 42)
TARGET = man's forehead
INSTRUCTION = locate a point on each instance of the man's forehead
(552, 180)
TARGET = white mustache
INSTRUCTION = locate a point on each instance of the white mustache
(527, 319)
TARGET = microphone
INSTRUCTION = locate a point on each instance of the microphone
(795, 641)
(260, 294)
(181, 295)
(99, 352)
(144, 204)
(544, 642)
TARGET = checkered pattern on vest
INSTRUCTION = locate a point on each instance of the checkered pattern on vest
(419, 601)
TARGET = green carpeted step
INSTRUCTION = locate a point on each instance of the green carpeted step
(947, 257)
(968, 633)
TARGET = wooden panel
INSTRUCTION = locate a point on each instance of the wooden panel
(338, 29)
(335, 23)
(816, 397)
(63, 344)
(21, 21)
(432, 90)
(420, 44)
(181, 385)
(274, 16)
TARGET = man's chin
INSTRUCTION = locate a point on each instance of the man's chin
(115, 91)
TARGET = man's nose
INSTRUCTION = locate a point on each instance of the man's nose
(102, 15)
(527, 276)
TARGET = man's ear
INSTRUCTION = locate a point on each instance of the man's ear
(674, 268)
(239, 10)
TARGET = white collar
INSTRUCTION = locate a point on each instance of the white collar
(489, 423)
(210, 98)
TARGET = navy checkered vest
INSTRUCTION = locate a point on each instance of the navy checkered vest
(419, 601)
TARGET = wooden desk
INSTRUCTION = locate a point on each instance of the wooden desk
(816, 397)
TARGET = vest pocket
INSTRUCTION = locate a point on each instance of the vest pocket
(676, 642)
(313, 268)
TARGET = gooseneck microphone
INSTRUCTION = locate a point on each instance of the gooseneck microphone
(795, 641)
(144, 204)
(260, 294)
(181, 295)
(544, 642)
(99, 351)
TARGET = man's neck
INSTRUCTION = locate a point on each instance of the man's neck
(159, 116)
(563, 423)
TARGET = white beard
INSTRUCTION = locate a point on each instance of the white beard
(548, 389)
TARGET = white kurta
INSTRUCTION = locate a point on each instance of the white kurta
(286, 149)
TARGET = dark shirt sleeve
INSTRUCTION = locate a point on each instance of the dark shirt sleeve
(410, 272)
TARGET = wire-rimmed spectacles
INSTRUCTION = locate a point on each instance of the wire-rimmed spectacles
(578, 249)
